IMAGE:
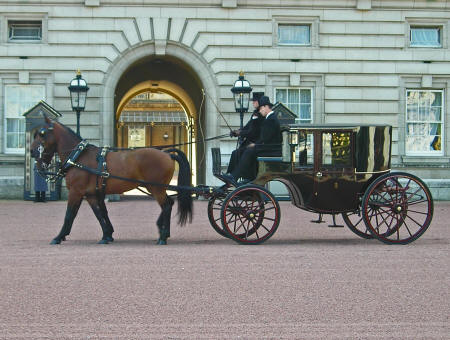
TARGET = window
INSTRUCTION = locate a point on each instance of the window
(425, 37)
(298, 101)
(294, 34)
(305, 149)
(336, 149)
(24, 30)
(19, 99)
(424, 122)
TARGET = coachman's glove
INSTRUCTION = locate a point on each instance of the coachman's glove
(234, 133)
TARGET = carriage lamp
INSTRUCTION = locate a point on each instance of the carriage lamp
(293, 138)
(78, 90)
(241, 93)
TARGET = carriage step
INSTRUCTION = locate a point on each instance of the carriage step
(334, 225)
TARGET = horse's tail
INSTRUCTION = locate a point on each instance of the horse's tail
(185, 180)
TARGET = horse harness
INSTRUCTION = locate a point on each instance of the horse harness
(101, 171)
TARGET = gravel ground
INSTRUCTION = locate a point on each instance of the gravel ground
(307, 282)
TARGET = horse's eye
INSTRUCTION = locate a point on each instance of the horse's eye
(42, 132)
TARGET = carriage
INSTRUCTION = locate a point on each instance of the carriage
(327, 169)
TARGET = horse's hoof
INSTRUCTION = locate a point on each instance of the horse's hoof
(55, 241)
(109, 238)
(103, 242)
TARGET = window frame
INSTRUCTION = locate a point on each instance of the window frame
(24, 23)
(442, 124)
(426, 23)
(279, 43)
(7, 18)
(440, 33)
(299, 88)
(311, 21)
(6, 149)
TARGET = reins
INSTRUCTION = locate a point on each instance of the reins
(75, 153)
(160, 147)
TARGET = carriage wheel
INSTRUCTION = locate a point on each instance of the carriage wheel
(250, 214)
(397, 208)
(355, 223)
(214, 209)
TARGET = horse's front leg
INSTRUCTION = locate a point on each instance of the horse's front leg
(102, 205)
(100, 213)
(163, 221)
(73, 204)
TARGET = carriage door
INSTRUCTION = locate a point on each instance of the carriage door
(334, 176)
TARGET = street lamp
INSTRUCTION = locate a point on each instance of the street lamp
(78, 89)
(241, 93)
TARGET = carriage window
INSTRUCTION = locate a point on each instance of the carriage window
(305, 149)
(19, 99)
(336, 149)
(424, 121)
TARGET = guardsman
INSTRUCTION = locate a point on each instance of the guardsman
(40, 184)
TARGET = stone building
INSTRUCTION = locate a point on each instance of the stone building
(160, 71)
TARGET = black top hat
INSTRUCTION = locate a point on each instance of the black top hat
(264, 100)
(257, 95)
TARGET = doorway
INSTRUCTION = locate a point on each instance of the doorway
(157, 119)
(153, 119)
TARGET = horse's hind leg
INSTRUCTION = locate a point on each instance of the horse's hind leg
(163, 221)
(73, 204)
(94, 202)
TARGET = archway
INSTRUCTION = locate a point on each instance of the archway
(181, 73)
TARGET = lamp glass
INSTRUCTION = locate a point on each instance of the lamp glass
(78, 91)
(293, 137)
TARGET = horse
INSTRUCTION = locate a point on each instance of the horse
(126, 169)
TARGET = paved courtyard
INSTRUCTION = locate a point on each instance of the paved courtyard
(307, 282)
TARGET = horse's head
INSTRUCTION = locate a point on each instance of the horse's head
(43, 146)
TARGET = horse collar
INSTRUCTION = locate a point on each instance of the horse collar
(74, 155)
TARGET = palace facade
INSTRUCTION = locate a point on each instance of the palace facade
(159, 72)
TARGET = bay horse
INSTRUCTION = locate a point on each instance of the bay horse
(126, 169)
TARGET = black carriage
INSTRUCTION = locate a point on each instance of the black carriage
(327, 169)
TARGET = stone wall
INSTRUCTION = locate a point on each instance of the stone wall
(359, 63)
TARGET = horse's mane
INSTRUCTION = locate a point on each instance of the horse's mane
(70, 131)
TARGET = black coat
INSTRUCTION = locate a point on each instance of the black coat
(269, 142)
(251, 131)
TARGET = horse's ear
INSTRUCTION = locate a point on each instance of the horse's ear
(47, 119)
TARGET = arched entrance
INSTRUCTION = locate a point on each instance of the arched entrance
(157, 113)
(180, 75)
(151, 119)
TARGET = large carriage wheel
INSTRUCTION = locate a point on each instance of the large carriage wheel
(214, 209)
(250, 214)
(355, 222)
(397, 208)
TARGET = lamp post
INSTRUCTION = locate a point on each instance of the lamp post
(78, 90)
(241, 93)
